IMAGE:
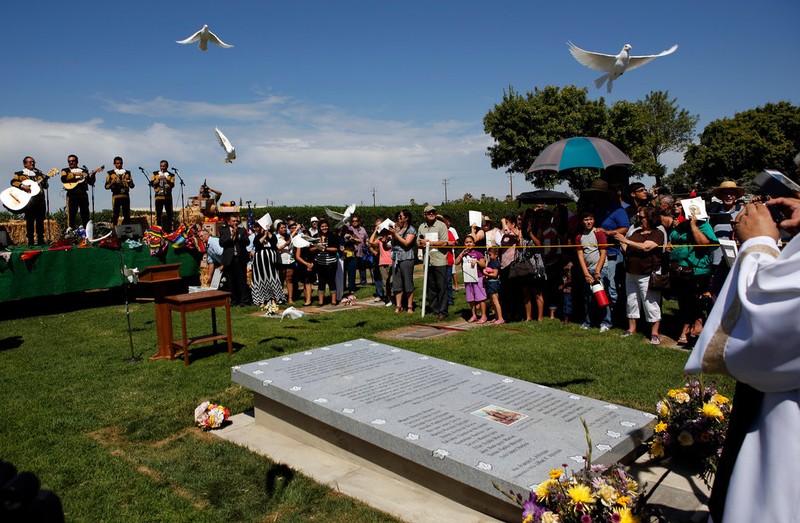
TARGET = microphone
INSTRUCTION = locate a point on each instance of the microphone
(175, 170)
(143, 171)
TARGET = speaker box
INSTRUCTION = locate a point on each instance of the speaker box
(130, 231)
(5, 241)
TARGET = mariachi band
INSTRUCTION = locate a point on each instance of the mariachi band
(28, 187)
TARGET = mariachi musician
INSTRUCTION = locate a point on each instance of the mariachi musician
(163, 182)
(76, 181)
(36, 208)
(120, 182)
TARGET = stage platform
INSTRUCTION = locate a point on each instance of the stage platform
(80, 269)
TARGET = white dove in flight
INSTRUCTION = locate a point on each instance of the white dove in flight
(205, 35)
(341, 217)
(230, 152)
(612, 65)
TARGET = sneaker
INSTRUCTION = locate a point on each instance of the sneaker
(655, 340)
(388, 304)
(586, 326)
(625, 334)
(377, 300)
(605, 328)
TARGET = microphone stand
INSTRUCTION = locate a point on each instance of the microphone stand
(149, 192)
(47, 218)
(183, 202)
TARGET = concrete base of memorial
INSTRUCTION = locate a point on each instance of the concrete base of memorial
(346, 472)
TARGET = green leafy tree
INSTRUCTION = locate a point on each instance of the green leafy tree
(739, 148)
(523, 125)
(666, 128)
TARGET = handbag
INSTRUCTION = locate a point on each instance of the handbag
(521, 268)
(659, 280)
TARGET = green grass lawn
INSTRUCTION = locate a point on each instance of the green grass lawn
(116, 440)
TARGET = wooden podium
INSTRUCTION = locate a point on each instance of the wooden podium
(159, 278)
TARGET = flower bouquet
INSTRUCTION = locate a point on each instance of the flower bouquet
(593, 494)
(209, 416)
(271, 308)
(692, 423)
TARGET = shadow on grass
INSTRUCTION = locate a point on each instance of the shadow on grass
(206, 351)
(12, 342)
(276, 338)
(359, 324)
(278, 478)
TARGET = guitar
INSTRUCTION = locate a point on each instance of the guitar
(71, 185)
(15, 199)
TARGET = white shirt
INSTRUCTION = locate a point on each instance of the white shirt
(753, 334)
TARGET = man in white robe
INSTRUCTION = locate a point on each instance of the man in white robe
(753, 334)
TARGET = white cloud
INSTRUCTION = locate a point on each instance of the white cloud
(288, 153)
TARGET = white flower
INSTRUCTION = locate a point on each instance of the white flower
(200, 411)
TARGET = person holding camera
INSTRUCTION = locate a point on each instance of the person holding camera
(752, 334)
(691, 246)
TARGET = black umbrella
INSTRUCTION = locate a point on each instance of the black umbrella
(545, 197)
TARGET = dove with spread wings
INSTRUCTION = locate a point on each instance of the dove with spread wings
(612, 65)
(230, 151)
(204, 35)
(342, 217)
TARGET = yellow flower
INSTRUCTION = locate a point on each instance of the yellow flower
(663, 409)
(674, 392)
(719, 399)
(580, 494)
(685, 439)
(657, 448)
(711, 410)
(661, 427)
(556, 473)
(543, 490)
(550, 517)
(623, 500)
(682, 397)
(625, 516)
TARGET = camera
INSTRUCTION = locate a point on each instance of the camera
(776, 184)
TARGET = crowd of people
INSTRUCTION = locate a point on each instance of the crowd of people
(544, 262)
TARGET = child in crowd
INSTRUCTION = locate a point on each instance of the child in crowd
(592, 260)
(381, 247)
(566, 293)
(492, 282)
(473, 263)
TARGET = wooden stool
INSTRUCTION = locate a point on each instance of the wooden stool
(197, 301)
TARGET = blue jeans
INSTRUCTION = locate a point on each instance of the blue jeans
(350, 267)
(591, 307)
(449, 283)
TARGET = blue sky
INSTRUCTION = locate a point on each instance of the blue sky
(327, 100)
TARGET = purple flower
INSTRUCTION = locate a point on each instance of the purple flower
(615, 517)
(586, 518)
(529, 508)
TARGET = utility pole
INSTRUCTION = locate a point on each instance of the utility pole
(444, 182)
(511, 184)
(374, 192)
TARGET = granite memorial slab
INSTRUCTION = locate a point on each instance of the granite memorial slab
(456, 429)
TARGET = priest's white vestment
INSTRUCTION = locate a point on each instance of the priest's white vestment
(753, 334)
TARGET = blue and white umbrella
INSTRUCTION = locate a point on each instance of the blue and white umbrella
(579, 152)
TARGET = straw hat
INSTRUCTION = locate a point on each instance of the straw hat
(727, 185)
